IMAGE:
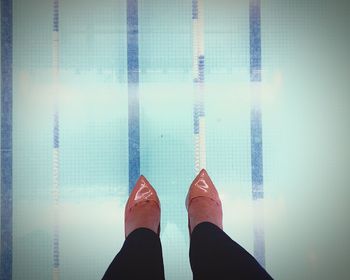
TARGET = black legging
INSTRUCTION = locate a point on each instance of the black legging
(213, 255)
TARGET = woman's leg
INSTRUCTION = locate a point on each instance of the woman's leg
(139, 258)
(141, 254)
(214, 255)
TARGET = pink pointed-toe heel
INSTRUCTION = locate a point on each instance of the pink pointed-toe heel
(202, 186)
(142, 192)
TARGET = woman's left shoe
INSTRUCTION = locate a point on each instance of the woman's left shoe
(143, 208)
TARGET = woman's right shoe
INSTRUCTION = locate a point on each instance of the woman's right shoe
(205, 198)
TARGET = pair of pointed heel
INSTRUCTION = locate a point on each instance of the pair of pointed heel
(202, 186)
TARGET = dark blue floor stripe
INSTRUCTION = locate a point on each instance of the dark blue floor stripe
(56, 145)
(6, 140)
(55, 15)
(133, 92)
(56, 130)
(256, 124)
(255, 41)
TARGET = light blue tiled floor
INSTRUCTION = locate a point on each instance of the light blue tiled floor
(305, 132)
